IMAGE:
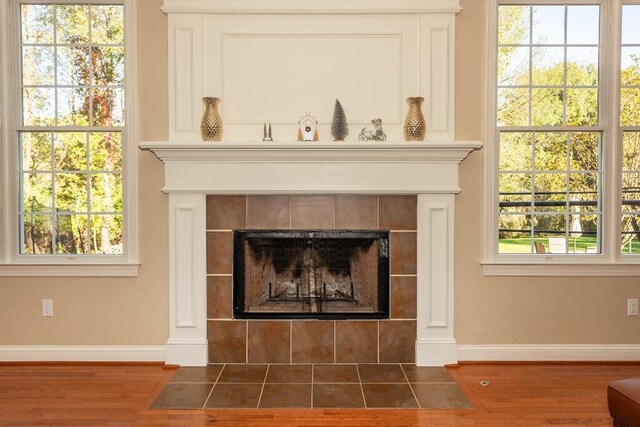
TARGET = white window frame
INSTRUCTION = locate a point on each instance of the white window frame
(12, 263)
(609, 262)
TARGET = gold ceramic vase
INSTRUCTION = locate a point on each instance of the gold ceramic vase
(211, 127)
(415, 127)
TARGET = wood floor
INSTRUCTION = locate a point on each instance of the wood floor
(518, 395)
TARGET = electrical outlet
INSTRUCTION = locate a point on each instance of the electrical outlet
(632, 307)
(47, 307)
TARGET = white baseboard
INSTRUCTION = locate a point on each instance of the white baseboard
(549, 352)
(77, 353)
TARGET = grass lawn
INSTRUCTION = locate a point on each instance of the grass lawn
(523, 246)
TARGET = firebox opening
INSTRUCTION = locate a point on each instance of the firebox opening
(311, 274)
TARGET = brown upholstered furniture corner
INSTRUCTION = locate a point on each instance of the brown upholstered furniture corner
(624, 402)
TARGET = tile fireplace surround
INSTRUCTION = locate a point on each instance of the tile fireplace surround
(250, 54)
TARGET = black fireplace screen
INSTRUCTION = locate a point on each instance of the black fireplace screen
(311, 274)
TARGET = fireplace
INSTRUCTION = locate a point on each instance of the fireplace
(318, 274)
(219, 48)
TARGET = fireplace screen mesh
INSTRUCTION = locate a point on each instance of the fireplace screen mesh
(315, 274)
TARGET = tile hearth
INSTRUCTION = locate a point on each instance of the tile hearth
(252, 386)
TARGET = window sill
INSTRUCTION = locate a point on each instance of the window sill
(34, 269)
(556, 268)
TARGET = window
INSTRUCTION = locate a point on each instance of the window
(630, 123)
(556, 136)
(74, 200)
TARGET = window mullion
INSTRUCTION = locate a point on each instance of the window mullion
(612, 137)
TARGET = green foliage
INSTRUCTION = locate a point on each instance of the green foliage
(549, 179)
(71, 192)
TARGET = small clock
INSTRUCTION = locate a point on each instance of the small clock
(308, 129)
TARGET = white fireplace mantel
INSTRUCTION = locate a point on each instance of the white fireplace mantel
(272, 60)
(193, 170)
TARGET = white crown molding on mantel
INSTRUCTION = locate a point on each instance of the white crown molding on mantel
(311, 6)
(311, 167)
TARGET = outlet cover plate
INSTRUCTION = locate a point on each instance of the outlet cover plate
(47, 308)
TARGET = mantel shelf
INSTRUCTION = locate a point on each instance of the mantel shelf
(312, 152)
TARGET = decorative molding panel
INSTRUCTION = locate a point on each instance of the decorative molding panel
(437, 74)
(275, 68)
(74, 353)
(187, 280)
(438, 230)
(435, 343)
(259, 83)
(185, 76)
(188, 257)
(183, 247)
(311, 6)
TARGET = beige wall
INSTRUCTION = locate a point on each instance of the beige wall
(489, 310)
(515, 310)
(110, 311)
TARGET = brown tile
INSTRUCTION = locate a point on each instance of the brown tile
(398, 212)
(227, 341)
(397, 341)
(386, 373)
(335, 374)
(440, 396)
(312, 342)
(403, 253)
(337, 396)
(427, 374)
(269, 342)
(219, 297)
(226, 212)
(403, 297)
(234, 396)
(204, 374)
(357, 342)
(289, 374)
(389, 396)
(312, 212)
(243, 373)
(265, 212)
(357, 212)
(182, 396)
(286, 396)
(219, 252)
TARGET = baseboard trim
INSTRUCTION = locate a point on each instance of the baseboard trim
(73, 353)
(549, 352)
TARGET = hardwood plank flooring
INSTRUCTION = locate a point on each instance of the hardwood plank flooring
(100, 394)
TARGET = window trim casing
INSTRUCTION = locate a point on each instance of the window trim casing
(608, 262)
(12, 263)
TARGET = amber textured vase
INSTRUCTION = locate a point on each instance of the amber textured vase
(211, 127)
(415, 127)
